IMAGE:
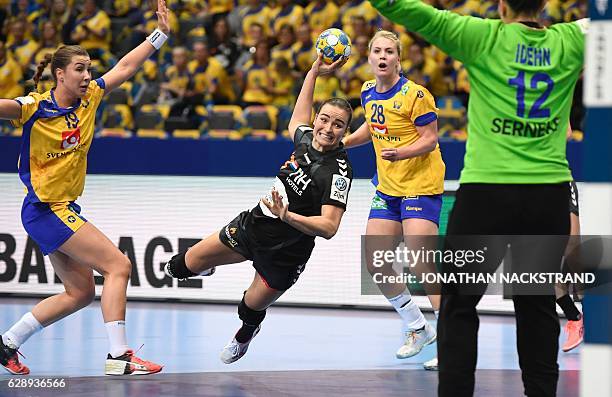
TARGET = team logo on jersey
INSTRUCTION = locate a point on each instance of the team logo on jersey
(232, 230)
(397, 105)
(379, 128)
(339, 190)
(85, 103)
(70, 139)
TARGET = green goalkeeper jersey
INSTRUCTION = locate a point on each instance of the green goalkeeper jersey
(521, 86)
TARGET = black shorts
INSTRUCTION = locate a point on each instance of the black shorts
(573, 203)
(279, 268)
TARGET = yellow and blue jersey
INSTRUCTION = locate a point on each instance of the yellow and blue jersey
(321, 17)
(358, 71)
(356, 8)
(303, 56)
(467, 7)
(392, 118)
(42, 52)
(220, 6)
(23, 52)
(10, 78)
(292, 15)
(179, 79)
(56, 140)
(261, 15)
(282, 51)
(255, 77)
(211, 73)
(99, 23)
(287, 83)
(326, 86)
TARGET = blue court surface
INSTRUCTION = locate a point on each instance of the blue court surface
(299, 352)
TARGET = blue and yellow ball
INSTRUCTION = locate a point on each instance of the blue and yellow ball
(333, 44)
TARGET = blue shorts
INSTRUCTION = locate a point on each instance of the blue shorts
(400, 208)
(51, 224)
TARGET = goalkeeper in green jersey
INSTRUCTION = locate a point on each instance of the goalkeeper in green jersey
(515, 179)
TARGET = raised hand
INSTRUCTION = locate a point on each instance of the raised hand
(162, 17)
(320, 68)
(277, 207)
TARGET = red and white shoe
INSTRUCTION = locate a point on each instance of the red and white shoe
(9, 359)
(575, 334)
(129, 364)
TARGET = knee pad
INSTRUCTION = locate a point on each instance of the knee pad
(250, 316)
(177, 268)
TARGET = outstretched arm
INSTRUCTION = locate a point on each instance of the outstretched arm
(302, 111)
(462, 37)
(133, 60)
(9, 109)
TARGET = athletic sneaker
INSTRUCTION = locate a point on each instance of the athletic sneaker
(431, 365)
(575, 334)
(168, 272)
(129, 364)
(10, 360)
(415, 341)
(234, 350)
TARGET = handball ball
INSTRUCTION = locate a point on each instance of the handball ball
(333, 44)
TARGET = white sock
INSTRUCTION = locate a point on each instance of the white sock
(116, 337)
(21, 331)
(437, 314)
(408, 311)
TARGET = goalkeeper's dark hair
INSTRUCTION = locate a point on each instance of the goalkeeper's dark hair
(526, 7)
(340, 103)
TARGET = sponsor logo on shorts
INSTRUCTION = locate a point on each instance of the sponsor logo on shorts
(228, 234)
(71, 219)
(379, 204)
(409, 208)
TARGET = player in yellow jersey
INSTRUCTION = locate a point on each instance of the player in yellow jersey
(58, 128)
(401, 122)
(10, 74)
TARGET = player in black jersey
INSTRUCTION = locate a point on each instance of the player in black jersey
(308, 199)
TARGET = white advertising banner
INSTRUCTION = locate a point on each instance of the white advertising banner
(151, 218)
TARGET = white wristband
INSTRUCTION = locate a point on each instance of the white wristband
(157, 38)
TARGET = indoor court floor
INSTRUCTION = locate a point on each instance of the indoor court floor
(299, 352)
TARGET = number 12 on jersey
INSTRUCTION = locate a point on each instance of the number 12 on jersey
(537, 111)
